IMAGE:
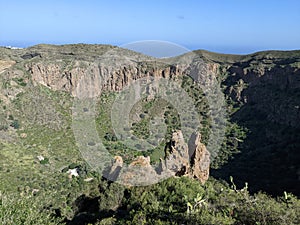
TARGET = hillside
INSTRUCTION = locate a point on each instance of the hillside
(248, 112)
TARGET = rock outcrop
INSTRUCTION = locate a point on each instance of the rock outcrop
(200, 158)
(177, 158)
(181, 159)
(192, 159)
(116, 168)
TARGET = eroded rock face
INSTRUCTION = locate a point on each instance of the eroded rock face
(200, 158)
(85, 78)
(182, 159)
(116, 168)
(268, 86)
(177, 159)
(139, 172)
(90, 80)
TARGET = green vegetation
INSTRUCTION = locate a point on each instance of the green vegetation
(20, 81)
(146, 111)
(157, 107)
(25, 210)
(173, 201)
(15, 124)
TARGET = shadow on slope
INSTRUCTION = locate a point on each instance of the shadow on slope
(269, 157)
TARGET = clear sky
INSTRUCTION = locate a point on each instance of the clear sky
(227, 26)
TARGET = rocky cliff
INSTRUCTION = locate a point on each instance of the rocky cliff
(83, 78)
(263, 89)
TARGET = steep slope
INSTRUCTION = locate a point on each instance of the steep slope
(264, 90)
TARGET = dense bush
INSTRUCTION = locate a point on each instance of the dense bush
(25, 210)
(185, 201)
(173, 201)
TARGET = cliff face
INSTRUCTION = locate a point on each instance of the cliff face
(79, 80)
(268, 84)
(85, 78)
(265, 91)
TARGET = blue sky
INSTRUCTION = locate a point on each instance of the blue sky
(227, 26)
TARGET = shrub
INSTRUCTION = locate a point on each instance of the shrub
(44, 161)
(15, 124)
(25, 210)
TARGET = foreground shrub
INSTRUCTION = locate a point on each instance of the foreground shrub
(25, 210)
